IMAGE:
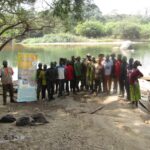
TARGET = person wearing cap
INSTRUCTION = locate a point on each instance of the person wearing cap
(135, 94)
(7, 84)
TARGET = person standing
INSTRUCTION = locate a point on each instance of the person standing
(118, 72)
(38, 80)
(51, 76)
(69, 76)
(123, 76)
(42, 76)
(135, 93)
(61, 77)
(77, 69)
(7, 83)
(129, 71)
(107, 74)
(113, 77)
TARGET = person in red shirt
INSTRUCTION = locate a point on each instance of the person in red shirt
(117, 72)
(69, 75)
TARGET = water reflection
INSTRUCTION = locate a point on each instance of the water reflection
(53, 53)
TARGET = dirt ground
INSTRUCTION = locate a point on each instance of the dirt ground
(73, 125)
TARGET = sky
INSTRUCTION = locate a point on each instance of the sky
(118, 6)
(123, 6)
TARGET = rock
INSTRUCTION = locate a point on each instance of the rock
(23, 121)
(39, 118)
(7, 119)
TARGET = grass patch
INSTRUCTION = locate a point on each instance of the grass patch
(55, 38)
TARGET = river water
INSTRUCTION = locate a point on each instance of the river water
(48, 53)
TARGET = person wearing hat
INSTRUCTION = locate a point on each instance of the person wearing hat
(7, 84)
(135, 94)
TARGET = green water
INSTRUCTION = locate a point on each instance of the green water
(46, 54)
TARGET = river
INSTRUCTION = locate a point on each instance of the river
(48, 53)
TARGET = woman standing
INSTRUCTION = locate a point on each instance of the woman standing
(135, 93)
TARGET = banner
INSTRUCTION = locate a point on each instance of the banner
(27, 63)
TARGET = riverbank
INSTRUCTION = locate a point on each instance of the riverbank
(75, 125)
(90, 43)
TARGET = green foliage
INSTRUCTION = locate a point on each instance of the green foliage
(90, 29)
(52, 38)
(145, 31)
(127, 30)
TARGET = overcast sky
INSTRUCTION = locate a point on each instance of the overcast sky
(123, 6)
(120, 6)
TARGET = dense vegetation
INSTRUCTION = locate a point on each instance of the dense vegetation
(20, 20)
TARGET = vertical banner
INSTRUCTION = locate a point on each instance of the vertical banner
(27, 63)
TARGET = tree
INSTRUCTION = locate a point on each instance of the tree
(90, 29)
(18, 17)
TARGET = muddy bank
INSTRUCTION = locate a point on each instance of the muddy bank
(72, 126)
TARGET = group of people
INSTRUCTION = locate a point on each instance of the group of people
(104, 74)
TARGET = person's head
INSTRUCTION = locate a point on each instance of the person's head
(52, 64)
(124, 59)
(93, 59)
(5, 63)
(61, 61)
(113, 55)
(68, 63)
(100, 56)
(45, 66)
(131, 60)
(107, 57)
(78, 58)
(136, 64)
(55, 63)
(40, 65)
(72, 58)
(119, 57)
(88, 56)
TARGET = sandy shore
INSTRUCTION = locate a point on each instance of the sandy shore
(72, 126)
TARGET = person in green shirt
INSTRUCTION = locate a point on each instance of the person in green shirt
(77, 69)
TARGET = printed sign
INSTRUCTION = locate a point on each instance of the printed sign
(27, 63)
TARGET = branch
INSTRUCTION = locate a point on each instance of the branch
(9, 27)
(10, 39)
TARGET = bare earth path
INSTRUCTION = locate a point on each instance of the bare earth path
(72, 126)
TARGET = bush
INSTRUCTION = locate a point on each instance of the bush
(54, 38)
(90, 29)
(145, 31)
(127, 30)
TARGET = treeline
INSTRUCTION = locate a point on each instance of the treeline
(116, 29)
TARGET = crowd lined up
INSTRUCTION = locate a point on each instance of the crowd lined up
(105, 74)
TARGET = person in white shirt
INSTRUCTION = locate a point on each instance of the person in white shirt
(107, 74)
(61, 77)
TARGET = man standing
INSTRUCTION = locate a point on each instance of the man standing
(38, 80)
(7, 84)
(51, 76)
